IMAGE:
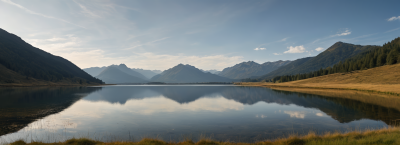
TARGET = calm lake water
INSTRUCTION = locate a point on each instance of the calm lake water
(173, 113)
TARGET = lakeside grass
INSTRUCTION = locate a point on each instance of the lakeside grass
(384, 136)
(383, 80)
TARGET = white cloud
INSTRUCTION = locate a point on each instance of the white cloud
(340, 33)
(392, 30)
(277, 54)
(296, 49)
(147, 43)
(346, 32)
(319, 49)
(320, 114)
(284, 39)
(72, 48)
(295, 114)
(394, 18)
(86, 11)
(149, 106)
(259, 49)
(56, 45)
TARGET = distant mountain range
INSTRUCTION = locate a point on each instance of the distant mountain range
(95, 71)
(187, 74)
(121, 74)
(250, 69)
(20, 63)
(338, 52)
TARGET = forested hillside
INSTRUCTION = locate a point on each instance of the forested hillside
(338, 52)
(251, 69)
(387, 54)
(25, 60)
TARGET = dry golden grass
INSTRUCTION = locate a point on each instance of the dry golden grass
(385, 136)
(365, 97)
(384, 79)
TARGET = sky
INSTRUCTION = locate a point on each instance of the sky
(208, 34)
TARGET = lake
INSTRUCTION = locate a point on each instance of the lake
(174, 113)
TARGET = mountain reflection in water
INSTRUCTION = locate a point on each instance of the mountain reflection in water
(221, 112)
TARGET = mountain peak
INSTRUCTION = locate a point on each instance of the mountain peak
(187, 74)
(123, 65)
(250, 62)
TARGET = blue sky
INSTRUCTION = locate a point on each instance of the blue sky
(208, 34)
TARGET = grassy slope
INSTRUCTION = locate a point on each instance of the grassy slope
(385, 79)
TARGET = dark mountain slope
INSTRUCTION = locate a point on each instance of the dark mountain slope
(187, 74)
(26, 60)
(287, 68)
(113, 75)
(338, 52)
(248, 69)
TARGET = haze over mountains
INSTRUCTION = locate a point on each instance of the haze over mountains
(187, 74)
(147, 73)
(20, 63)
(94, 71)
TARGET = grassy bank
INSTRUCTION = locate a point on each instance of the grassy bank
(384, 79)
(386, 136)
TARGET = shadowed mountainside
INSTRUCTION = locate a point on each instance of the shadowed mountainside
(130, 72)
(114, 75)
(21, 62)
(187, 74)
(251, 69)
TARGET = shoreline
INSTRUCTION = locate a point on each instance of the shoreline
(389, 135)
(390, 89)
(50, 85)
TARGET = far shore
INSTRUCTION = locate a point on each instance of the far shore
(52, 85)
(90, 85)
